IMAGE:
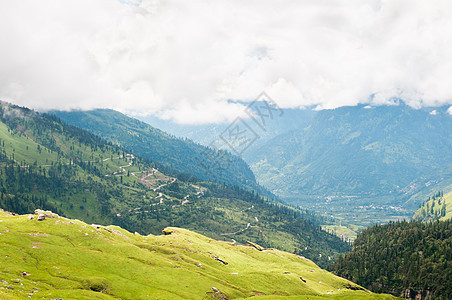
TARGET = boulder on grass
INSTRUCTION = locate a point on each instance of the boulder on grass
(167, 231)
(46, 213)
(254, 245)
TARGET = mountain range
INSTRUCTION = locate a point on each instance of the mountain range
(48, 164)
(361, 164)
(181, 155)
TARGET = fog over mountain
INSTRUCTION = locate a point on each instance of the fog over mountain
(191, 62)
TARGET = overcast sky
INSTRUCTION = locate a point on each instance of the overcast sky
(185, 60)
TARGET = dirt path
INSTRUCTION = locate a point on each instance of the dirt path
(248, 225)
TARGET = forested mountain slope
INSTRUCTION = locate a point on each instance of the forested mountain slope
(436, 207)
(48, 164)
(408, 259)
(357, 151)
(181, 155)
(362, 164)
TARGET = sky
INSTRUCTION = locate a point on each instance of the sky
(197, 62)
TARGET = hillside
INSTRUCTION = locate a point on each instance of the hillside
(363, 165)
(181, 155)
(63, 258)
(408, 259)
(47, 164)
(350, 157)
(436, 207)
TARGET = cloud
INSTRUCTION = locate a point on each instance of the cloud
(187, 60)
(204, 113)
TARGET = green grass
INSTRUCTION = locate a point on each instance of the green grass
(25, 149)
(426, 213)
(349, 231)
(448, 200)
(70, 259)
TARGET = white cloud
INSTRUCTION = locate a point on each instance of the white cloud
(449, 110)
(185, 60)
(433, 112)
(204, 113)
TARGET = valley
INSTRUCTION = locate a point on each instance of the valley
(360, 164)
(50, 165)
(222, 150)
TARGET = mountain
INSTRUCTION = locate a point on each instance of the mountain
(361, 164)
(59, 258)
(357, 156)
(436, 207)
(353, 149)
(276, 123)
(47, 164)
(181, 155)
(412, 260)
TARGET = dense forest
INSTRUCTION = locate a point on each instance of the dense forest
(402, 258)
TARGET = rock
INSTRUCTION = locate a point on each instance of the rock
(254, 245)
(216, 294)
(302, 279)
(41, 217)
(354, 287)
(47, 214)
(199, 265)
(24, 274)
(167, 231)
(220, 260)
(30, 217)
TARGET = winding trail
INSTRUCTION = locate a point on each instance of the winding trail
(248, 225)
(144, 179)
